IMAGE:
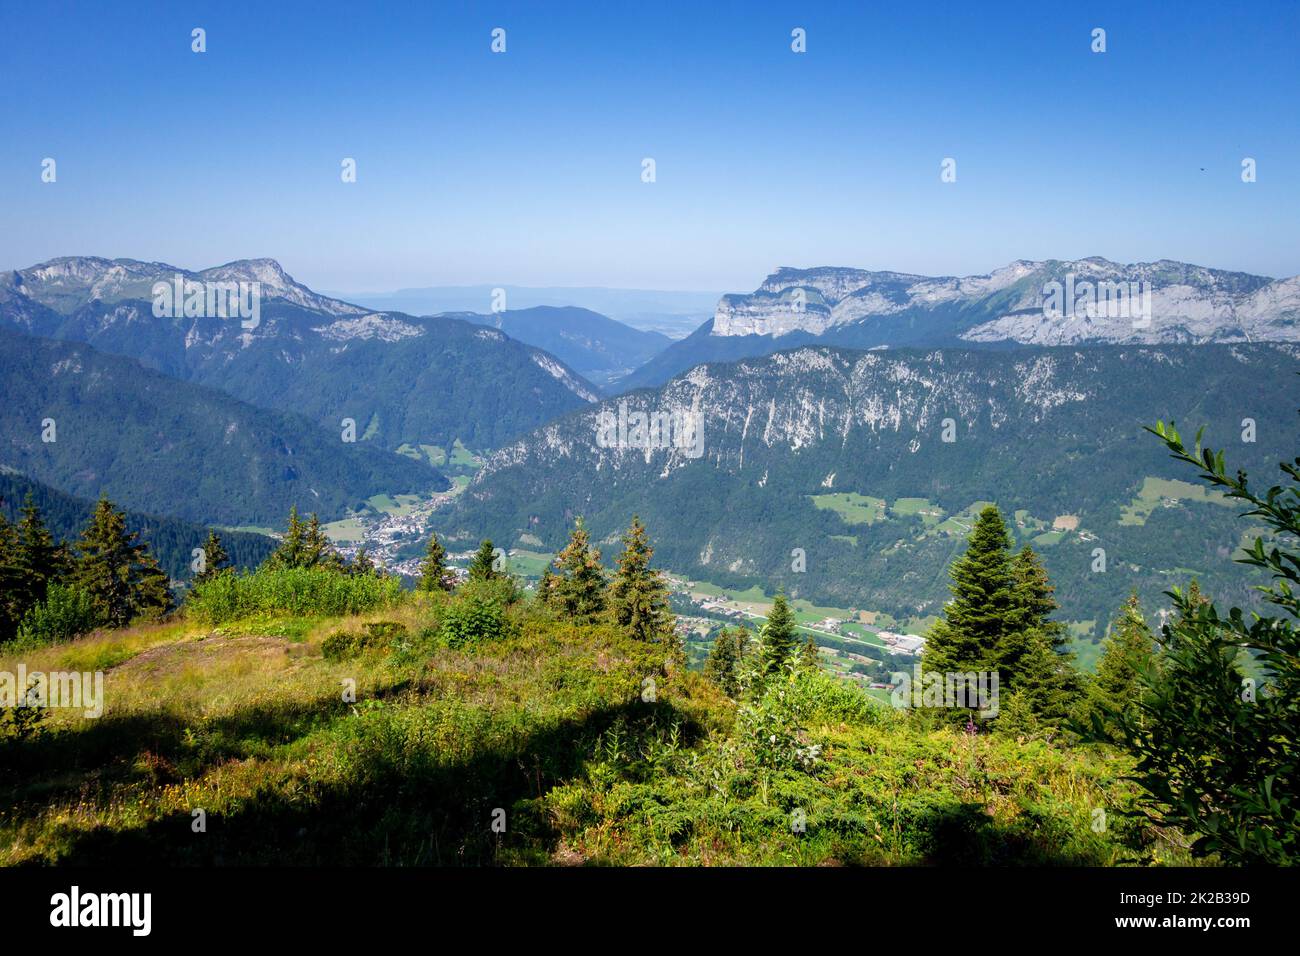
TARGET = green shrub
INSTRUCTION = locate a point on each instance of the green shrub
(299, 591)
(473, 618)
(66, 613)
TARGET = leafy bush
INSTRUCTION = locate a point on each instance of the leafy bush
(472, 620)
(303, 591)
(1214, 756)
(66, 613)
(772, 726)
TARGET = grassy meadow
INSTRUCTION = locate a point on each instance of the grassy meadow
(271, 736)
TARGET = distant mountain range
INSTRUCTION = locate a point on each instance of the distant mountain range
(822, 396)
(791, 440)
(673, 314)
(1096, 301)
(594, 345)
(404, 380)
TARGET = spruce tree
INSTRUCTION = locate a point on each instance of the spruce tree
(41, 558)
(1030, 657)
(778, 637)
(433, 569)
(305, 545)
(724, 660)
(119, 574)
(215, 559)
(579, 587)
(319, 550)
(1033, 597)
(983, 609)
(13, 584)
(1044, 678)
(638, 593)
(1128, 654)
(483, 566)
(290, 553)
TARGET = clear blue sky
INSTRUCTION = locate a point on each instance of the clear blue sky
(525, 167)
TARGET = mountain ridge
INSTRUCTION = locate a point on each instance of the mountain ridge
(303, 349)
(1027, 302)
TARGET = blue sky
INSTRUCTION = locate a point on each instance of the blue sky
(525, 167)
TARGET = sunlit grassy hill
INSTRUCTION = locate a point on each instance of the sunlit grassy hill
(540, 743)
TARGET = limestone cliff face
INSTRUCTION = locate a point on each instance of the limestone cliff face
(1035, 303)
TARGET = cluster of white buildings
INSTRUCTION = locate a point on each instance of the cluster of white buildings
(910, 644)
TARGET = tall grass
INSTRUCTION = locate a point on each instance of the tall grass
(299, 591)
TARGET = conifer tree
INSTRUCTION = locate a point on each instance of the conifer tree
(483, 566)
(983, 609)
(40, 557)
(725, 659)
(305, 545)
(579, 587)
(1128, 654)
(290, 552)
(1030, 657)
(638, 593)
(13, 587)
(119, 574)
(1044, 678)
(1033, 596)
(778, 637)
(215, 559)
(433, 569)
(319, 550)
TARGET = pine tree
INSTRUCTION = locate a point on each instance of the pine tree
(483, 566)
(305, 545)
(14, 595)
(1128, 654)
(778, 637)
(983, 609)
(319, 550)
(1033, 595)
(290, 552)
(433, 569)
(215, 559)
(725, 658)
(639, 594)
(119, 574)
(579, 587)
(42, 560)
(1031, 656)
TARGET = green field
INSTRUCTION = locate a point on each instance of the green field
(930, 513)
(1156, 490)
(529, 564)
(347, 531)
(399, 506)
(852, 507)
